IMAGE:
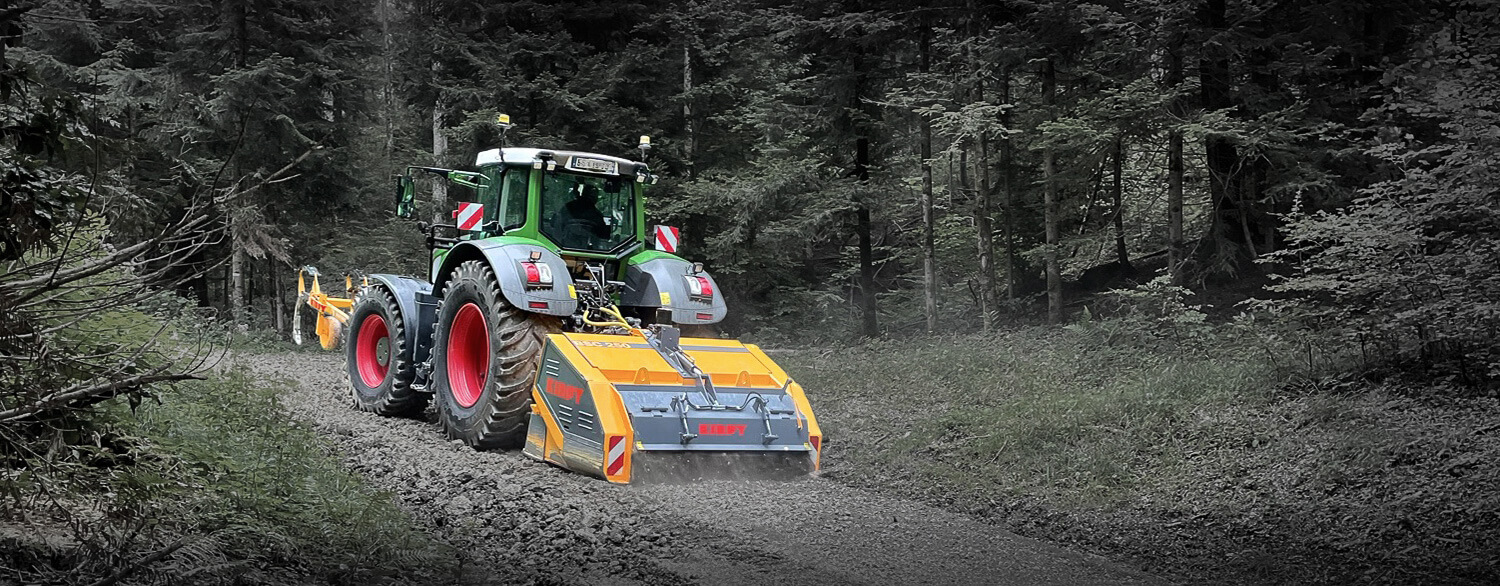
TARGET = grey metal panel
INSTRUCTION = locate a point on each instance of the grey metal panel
(505, 259)
(409, 292)
(536, 437)
(674, 390)
(645, 282)
(731, 349)
(583, 454)
(696, 447)
(656, 421)
(734, 349)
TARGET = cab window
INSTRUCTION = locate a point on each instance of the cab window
(514, 185)
(587, 212)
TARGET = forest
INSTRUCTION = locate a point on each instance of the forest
(1310, 183)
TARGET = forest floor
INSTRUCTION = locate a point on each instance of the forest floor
(1016, 458)
(513, 520)
(977, 460)
(1198, 470)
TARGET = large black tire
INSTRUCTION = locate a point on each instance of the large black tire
(485, 355)
(380, 364)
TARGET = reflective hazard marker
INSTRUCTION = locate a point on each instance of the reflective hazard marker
(666, 238)
(468, 215)
(614, 457)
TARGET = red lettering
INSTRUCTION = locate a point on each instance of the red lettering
(721, 429)
(564, 391)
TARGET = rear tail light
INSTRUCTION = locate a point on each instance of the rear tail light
(817, 442)
(538, 275)
(699, 286)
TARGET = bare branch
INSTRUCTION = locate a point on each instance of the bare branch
(94, 392)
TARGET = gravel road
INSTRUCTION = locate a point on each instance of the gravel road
(513, 520)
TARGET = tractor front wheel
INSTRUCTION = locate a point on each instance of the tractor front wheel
(380, 363)
(485, 355)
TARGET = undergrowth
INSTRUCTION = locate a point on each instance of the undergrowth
(1241, 452)
(217, 478)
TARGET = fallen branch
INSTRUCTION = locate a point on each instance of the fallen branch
(101, 390)
(143, 562)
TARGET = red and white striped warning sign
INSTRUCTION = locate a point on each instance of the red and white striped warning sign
(614, 460)
(468, 215)
(666, 238)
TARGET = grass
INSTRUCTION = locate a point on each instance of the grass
(217, 470)
(1194, 453)
(1036, 411)
(274, 489)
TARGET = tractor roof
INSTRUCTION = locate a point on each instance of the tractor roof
(524, 156)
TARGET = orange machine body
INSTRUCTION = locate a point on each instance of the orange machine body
(601, 400)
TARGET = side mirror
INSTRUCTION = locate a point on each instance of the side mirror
(405, 196)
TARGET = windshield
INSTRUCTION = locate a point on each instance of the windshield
(584, 212)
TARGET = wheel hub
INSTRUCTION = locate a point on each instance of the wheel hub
(373, 350)
(468, 355)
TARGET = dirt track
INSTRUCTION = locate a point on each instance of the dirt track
(514, 520)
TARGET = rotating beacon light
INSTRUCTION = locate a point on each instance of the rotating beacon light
(503, 121)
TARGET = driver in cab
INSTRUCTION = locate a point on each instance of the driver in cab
(582, 215)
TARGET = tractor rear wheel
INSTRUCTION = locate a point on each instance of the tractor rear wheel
(380, 364)
(485, 355)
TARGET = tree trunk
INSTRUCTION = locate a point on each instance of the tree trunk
(929, 251)
(870, 323)
(1176, 261)
(240, 19)
(1007, 182)
(687, 111)
(984, 228)
(1049, 200)
(439, 153)
(1222, 157)
(278, 305)
(388, 84)
(1122, 255)
(237, 285)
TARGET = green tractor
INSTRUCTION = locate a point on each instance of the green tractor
(555, 241)
(547, 321)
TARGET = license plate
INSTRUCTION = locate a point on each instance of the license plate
(594, 165)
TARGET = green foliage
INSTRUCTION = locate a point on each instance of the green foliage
(266, 490)
(1412, 264)
(217, 469)
(38, 125)
(1156, 310)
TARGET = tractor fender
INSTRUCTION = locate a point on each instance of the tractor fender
(418, 310)
(505, 256)
(660, 282)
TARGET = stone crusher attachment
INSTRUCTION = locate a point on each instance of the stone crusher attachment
(653, 406)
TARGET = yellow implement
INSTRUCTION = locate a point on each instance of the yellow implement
(333, 312)
(652, 404)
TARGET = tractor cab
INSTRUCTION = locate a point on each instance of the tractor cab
(585, 204)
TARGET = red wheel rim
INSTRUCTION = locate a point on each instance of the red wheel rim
(468, 355)
(373, 364)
